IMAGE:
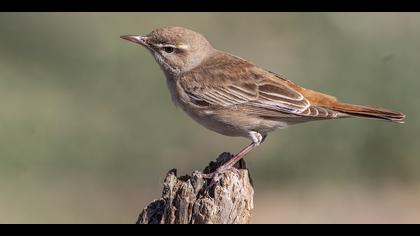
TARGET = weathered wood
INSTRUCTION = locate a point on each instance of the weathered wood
(190, 200)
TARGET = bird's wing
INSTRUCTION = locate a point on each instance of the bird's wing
(255, 89)
(237, 84)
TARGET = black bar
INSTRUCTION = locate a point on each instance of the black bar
(209, 5)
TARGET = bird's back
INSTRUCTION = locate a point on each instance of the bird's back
(230, 82)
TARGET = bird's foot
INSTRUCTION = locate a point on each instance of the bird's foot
(218, 174)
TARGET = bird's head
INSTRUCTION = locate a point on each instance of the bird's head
(176, 49)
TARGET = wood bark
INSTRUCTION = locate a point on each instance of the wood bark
(192, 199)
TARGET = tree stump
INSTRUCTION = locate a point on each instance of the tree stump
(190, 199)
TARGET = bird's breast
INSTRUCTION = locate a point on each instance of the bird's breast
(172, 87)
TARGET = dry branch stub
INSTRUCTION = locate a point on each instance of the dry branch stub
(190, 200)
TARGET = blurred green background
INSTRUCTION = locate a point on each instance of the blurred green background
(88, 131)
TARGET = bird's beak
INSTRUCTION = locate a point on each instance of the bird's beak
(135, 39)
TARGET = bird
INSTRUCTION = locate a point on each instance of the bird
(234, 97)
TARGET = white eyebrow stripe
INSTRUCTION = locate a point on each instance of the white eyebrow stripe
(165, 45)
(181, 46)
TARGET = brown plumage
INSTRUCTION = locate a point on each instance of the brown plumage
(265, 94)
(234, 97)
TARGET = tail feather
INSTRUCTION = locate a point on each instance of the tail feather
(369, 112)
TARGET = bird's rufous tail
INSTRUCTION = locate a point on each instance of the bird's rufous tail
(369, 112)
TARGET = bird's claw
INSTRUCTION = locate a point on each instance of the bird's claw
(217, 175)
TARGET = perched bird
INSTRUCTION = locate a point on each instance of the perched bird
(234, 97)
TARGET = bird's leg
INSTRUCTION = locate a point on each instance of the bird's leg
(257, 139)
(233, 160)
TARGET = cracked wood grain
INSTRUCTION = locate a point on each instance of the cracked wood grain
(190, 200)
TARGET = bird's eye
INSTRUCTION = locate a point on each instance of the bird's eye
(168, 49)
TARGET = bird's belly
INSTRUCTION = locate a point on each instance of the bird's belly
(232, 123)
(218, 124)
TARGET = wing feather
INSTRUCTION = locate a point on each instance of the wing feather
(289, 101)
(252, 89)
